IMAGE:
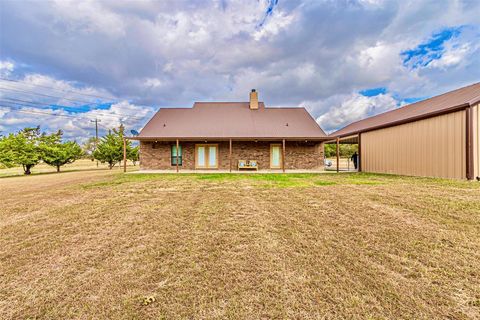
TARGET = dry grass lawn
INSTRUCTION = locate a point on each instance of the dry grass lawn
(98, 244)
(81, 164)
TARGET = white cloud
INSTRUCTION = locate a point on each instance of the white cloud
(276, 23)
(315, 53)
(153, 82)
(372, 3)
(48, 90)
(88, 17)
(452, 56)
(6, 67)
(355, 107)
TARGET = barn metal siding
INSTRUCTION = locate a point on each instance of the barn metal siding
(434, 147)
(476, 140)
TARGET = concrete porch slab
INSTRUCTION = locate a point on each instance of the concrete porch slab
(226, 171)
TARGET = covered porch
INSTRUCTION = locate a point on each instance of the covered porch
(344, 159)
(230, 155)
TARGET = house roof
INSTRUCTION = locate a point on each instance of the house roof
(447, 102)
(224, 120)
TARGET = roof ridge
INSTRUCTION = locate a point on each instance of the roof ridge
(276, 107)
(440, 95)
(225, 102)
(171, 108)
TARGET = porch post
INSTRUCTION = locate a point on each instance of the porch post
(338, 154)
(359, 160)
(124, 154)
(283, 155)
(177, 155)
(230, 154)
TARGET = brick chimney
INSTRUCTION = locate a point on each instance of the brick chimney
(253, 100)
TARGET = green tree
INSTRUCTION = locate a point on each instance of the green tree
(21, 149)
(330, 150)
(134, 155)
(346, 150)
(56, 153)
(110, 147)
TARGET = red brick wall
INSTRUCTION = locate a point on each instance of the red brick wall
(298, 155)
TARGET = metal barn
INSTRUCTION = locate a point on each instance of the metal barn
(437, 137)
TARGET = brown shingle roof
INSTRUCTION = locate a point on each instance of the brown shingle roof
(450, 101)
(222, 120)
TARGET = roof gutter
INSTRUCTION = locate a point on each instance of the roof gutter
(228, 138)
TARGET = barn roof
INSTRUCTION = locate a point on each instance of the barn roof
(448, 102)
(224, 120)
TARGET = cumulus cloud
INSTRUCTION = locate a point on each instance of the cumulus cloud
(278, 21)
(355, 107)
(6, 67)
(88, 17)
(320, 53)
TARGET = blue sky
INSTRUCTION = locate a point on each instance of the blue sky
(63, 64)
(433, 49)
(372, 92)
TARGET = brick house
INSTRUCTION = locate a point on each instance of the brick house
(231, 136)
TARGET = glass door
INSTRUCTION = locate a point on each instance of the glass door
(275, 156)
(212, 156)
(201, 163)
(206, 156)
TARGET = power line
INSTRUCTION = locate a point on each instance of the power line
(18, 105)
(35, 104)
(52, 88)
(59, 115)
(35, 112)
(65, 116)
(47, 95)
(47, 113)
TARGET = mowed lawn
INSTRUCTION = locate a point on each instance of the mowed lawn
(102, 244)
(81, 164)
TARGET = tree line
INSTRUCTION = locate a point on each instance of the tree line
(345, 150)
(29, 146)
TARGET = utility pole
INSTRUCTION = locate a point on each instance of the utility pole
(96, 134)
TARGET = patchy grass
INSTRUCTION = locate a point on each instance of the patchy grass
(323, 183)
(100, 244)
(259, 179)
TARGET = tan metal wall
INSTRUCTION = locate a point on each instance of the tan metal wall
(476, 141)
(433, 147)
